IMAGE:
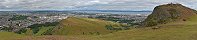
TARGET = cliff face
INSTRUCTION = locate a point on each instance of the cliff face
(163, 14)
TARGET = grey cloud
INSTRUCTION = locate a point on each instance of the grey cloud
(90, 4)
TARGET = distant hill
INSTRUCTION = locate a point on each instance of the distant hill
(163, 14)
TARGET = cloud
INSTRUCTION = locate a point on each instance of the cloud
(140, 4)
(90, 4)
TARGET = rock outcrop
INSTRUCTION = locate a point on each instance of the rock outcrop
(163, 14)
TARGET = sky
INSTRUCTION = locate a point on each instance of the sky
(89, 4)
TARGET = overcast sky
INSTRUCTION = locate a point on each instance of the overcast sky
(90, 4)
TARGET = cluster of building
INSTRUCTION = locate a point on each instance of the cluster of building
(29, 20)
(43, 17)
(137, 17)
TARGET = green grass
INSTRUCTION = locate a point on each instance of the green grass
(10, 36)
(83, 26)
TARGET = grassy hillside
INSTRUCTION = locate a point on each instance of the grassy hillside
(182, 30)
(84, 26)
(163, 14)
(172, 31)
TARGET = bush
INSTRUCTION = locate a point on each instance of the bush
(109, 27)
(22, 30)
(36, 27)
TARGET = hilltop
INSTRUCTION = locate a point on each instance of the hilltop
(163, 14)
(86, 26)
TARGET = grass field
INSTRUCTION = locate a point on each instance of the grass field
(10, 36)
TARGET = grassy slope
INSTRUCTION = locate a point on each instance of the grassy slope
(172, 31)
(85, 26)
